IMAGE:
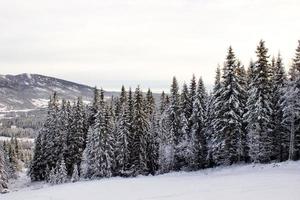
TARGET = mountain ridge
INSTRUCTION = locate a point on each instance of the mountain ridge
(31, 91)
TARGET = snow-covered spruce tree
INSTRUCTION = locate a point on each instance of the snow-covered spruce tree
(106, 141)
(185, 113)
(166, 149)
(14, 142)
(37, 166)
(130, 114)
(3, 171)
(249, 79)
(197, 147)
(174, 117)
(98, 154)
(184, 104)
(182, 151)
(119, 103)
(75, 175)
(259, 111)
(13, 160)
(121, 148)
(243, 149)
(163, 103)
(76, 136)
(152, 133)
(61, 172)
(42, 150)
(149, 103)
(89, 165)
(52, 177)
(192, 96)
(212, 142)
(291, 107)
(291, 118)
(63, 126)
(279, 134)
(52, 141)
(94, 108)
(228, 127)
(294, 71)
(122, 133)
(140, 127)
(153, 144)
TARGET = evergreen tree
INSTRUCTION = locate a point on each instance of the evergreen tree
(174, 116)
(52, 177)
(181, 150)
(166, 151)
(185, 113)
(130, 115)
(52, 137)
(151, 133)
(152, 145)
(75, 174)
(185, 105)
(105, 153)
(36, 171)
(13, 160)
(122, 150)
(61, 173)
(120, 102)
(243, 149)
(197, 142)
(294, 72)
(3, 171)
(90, 165)
(259, 111)
(163, 103)
(212, 140)
(140, 127)
(76, 136)
(149, 103)
(229, 126)
(279, 134)
(95, 107)
(291, 107)
(192, 95)
(291, 118)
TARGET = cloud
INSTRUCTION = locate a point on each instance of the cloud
(100, 42)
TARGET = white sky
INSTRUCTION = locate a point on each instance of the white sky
(113, 42)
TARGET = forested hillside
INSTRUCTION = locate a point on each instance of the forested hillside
(252, 115)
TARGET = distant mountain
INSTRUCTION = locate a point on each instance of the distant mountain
(32, 91)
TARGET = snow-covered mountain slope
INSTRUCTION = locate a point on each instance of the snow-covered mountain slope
(249, 182)
(31, 91)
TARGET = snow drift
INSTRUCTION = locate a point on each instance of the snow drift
(246, 182)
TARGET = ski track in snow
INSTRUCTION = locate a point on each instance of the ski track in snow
(239, 182)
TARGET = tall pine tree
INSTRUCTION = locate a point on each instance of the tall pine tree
(259, 111)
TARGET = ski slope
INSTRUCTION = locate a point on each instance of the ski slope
(246, 182)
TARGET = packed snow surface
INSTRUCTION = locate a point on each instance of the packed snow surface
(246, 182)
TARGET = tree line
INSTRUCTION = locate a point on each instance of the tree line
(14, 156)
(251, 115)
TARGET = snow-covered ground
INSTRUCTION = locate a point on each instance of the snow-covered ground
(259, 182)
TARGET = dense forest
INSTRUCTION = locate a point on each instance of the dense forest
(251, 115)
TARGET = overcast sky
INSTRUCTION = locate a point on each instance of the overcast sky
(113, 42)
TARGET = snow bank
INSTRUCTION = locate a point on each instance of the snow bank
(259, 182)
